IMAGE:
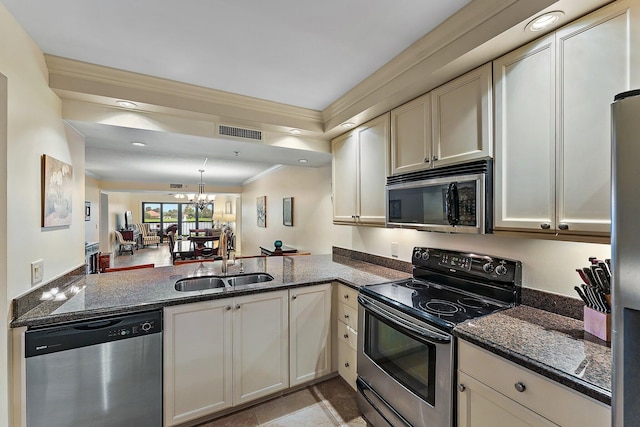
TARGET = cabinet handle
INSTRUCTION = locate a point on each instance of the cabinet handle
(346, 316)
(563, 226)
(520, 386)
(461, 388)
(346, 336)
(346, 296)
(346, 365)
(294, 296)
(228, 307)
(435, 158)
(237, 306)
(545, 226)
(426, 160)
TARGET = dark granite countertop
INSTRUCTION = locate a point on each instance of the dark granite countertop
(549, 344)
(153, 288)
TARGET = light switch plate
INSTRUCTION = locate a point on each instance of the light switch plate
(394, 249)
(37, 271)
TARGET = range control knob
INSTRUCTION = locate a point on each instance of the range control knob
(146, 326)
(488, 267)
(501, 270)
(425, 256)
(417, 254)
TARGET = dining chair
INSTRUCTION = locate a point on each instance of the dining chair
(123, 244)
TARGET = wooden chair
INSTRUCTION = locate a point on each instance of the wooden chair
(123, 244)
(131, 267)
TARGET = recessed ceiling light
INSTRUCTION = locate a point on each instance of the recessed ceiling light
(348, 125)
(126, 104)
(545, 21)
(303, 161)
(139, 144)
(295, 131)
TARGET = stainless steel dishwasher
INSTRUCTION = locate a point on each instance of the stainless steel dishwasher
(105, 372)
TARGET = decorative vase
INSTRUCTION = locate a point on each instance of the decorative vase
(277, 244)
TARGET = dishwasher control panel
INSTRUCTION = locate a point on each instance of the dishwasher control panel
(57, 338)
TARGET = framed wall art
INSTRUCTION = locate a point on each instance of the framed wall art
(57, 188)
(287, 211)
(261, 211)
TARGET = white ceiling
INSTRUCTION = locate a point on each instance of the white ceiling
(305, 54)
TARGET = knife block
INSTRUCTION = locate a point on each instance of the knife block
(597, 323)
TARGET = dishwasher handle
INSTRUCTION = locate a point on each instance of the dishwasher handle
(99, 324)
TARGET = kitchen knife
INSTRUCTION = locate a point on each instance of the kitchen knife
(596, 278)
(591, 281)
(602, 276)
(584, 278)
(601, 300)
(603, 265)
(590, 301)
(593, 293)
(581, 295)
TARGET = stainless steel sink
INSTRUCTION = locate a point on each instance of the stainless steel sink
(190, 284)
(199, 284)
(247, 279)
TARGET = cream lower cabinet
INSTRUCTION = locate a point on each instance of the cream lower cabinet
(310, 333)
(347, 332)
(495, 392)
(553, 133)
(221, 353)
(359, 166)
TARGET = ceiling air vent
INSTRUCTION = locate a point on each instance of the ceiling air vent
(236, 132)
(175, 186)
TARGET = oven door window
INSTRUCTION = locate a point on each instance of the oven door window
(407, 358)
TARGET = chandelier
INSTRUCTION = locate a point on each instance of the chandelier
(201, 199)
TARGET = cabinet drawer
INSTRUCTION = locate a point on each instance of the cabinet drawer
(348, 315)
(348, 296)
(347, 363)
(348, 335)
(540, 394)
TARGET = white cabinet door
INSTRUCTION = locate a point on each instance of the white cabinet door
(310, 333)
(197, 360)
(260, 345)
(524, 87)
(594, 64)
(482, 406)
(345, 179)
(373, 139)
(359, 160)
(411, 136)
(462, 118)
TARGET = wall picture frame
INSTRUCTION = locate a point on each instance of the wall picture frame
(261, 211)
(287, 211)
(57, 191)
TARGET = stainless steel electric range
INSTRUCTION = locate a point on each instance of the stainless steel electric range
(406, 350)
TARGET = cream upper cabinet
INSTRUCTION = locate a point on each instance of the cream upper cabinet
(222, 353)
(462, 118)
(553, 133)
(411, 137)
(359, 173)
(517, 396)
(310, 333)
(197, 360)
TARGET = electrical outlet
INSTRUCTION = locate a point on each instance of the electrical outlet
(394, 249)
(37, 271)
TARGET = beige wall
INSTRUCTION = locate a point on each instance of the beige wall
(312, 230)
(34, 128)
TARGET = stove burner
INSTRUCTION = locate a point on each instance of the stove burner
(441, 307)
(472, 302)
(416, 285)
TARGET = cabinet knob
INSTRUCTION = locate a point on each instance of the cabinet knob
(228, 307)
(294, 296)
(237, 306)
(346, 365)
(545, 226)
(346, 316)
(346, 336)
(426, 160)
(520, 386)
(563, 226)
(435, 158)
(461, 388)
(346, 296)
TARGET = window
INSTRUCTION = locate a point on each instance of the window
(184, 215)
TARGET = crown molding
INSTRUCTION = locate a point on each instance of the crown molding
(68, 77)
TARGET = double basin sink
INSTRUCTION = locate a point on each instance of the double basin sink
(214, 282)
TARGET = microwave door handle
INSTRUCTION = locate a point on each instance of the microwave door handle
(453, 207)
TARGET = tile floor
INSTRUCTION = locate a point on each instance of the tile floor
(159, 256)
(329, 403)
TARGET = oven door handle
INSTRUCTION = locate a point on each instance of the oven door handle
(379, 405)
(425, 333)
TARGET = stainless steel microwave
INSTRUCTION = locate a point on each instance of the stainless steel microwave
(451, 199)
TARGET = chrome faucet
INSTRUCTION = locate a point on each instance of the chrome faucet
(222, 250)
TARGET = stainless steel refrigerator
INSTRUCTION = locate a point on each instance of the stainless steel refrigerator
(625, 249)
